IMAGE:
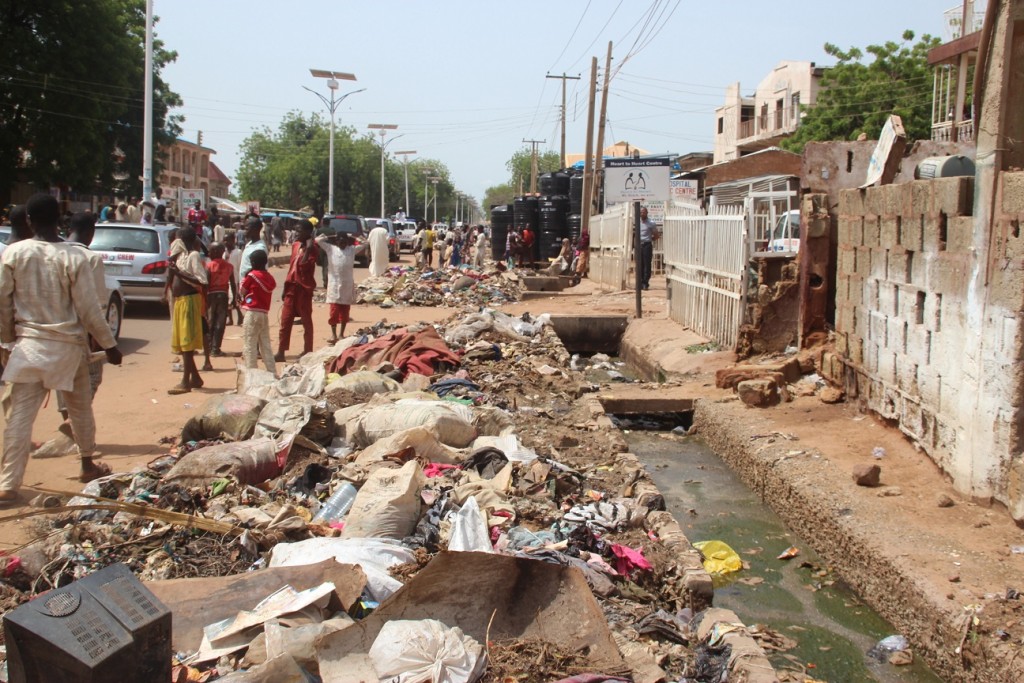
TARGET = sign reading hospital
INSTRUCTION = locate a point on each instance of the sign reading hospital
(636, 180)
(188, 198)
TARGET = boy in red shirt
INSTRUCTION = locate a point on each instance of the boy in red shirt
(257, 289)
(298, 291)
(222, 292)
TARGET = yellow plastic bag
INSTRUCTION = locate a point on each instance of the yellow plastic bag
(719, 558)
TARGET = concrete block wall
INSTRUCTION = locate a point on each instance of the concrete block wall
(903, 260)
(928, 328)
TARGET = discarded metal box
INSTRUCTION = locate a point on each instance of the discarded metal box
(104, 628)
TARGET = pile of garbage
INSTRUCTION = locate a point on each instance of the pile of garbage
(413, 503)
(452, 288)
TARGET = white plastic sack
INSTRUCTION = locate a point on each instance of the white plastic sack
(364, 383)
(507, 444)
(421, 439)
(425, 651)
(469, 532)
(446, 422)
(256, 382)
(299, 380)
(374, 555)
(286, 415)
(388, 504)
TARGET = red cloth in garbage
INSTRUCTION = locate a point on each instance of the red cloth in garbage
(411, 352)
(627, 559)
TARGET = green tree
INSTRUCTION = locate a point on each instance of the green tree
(289, 168)
(71, 94)
(498, 194)
(858, 98)
(519, 166)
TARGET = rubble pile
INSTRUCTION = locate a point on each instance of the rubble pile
(445, 488)
(453, 288)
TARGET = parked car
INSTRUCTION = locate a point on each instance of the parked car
(786, 233)
(394, 248)
(353, 225)
(406, 234)
(136, 257)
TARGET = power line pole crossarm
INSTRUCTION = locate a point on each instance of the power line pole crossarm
(533, 163)
(563, 78)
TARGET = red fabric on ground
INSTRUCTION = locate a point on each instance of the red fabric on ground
(418, 353)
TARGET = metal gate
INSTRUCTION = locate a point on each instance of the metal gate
(706, 258)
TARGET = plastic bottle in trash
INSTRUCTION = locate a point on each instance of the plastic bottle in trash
(335, 507)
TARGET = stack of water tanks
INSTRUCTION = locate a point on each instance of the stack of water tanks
(502, 217)
(527, 216)
(554, 211)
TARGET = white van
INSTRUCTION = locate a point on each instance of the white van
(786, 233)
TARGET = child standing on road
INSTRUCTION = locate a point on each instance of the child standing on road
(257, 290)
(221, 293)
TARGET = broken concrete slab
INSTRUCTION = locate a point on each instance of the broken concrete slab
(788, 371)
(759, 393)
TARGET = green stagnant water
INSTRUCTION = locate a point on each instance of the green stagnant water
(799, 598)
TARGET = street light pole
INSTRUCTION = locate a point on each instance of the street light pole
(332, 106)
(383, 128)
(433, 180)
(405, 163)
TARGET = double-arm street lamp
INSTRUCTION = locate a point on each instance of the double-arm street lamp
(405, 162)
(332, 105)
(383, 128)
(433, 179)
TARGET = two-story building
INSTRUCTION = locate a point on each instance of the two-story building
(746, 124)
(185, 164)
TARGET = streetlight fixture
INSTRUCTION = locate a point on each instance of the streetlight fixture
(405, 163)
(332, 105)
(383, 128)
(433, 179)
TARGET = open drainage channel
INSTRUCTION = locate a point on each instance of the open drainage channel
(825, 630)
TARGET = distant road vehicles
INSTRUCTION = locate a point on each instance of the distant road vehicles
(786, 233)
(353, 225)
(406, 234)
(136, 257)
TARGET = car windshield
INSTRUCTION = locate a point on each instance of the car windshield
(787, 227)
(134, 240)
(349, 225)
(5, 236)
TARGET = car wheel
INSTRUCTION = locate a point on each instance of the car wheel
(115, 314)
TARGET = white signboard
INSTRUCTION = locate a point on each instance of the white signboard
(683, 190)
(188, 198)
(636, 180)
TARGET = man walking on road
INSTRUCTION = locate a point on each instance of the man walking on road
(379, 255)
(47, 306)
(298, 291)
(648, 233)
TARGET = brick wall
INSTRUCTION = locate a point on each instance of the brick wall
(927, 324)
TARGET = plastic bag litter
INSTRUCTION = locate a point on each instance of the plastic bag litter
(887, 646)
(425, 650)
(256, 382)
(280, 669)
(373, 555)
(302, 380)
(469, 531)
(388, 504)
(287, 415)
(719, 558)
(298, 641)
(509, 445)
(420, 439)
(231, 416)
(444, 420)
(250, 462)
(364, 383)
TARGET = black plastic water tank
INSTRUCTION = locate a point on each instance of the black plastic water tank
(501, 223)
(525, 212)
(574, 224)
(553, 226)
(576, 193)
(553, 184)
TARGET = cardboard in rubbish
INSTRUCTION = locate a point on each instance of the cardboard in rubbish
(529, 599)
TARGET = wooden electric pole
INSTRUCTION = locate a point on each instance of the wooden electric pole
(533, 164)
(564, 78)
(599, 153)
(588, 166)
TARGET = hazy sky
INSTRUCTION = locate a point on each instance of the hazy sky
(465, 79)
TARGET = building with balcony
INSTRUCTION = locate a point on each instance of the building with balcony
(953, 62)
(746, 124)
(186, 164)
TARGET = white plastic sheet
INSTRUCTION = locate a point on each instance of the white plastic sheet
(469, 532)
(425, 651)
(373, 555)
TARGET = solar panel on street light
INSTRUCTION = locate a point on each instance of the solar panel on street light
(383, 126)
(340, 75)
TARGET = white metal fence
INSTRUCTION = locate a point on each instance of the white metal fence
(611, 246)
(706, 259)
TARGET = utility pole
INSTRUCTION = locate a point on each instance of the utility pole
(588, 167)
(147, 109)
(533, 165)
(564, 78)
(599, 154)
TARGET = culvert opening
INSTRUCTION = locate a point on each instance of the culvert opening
(674, 422)
(587, 335)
